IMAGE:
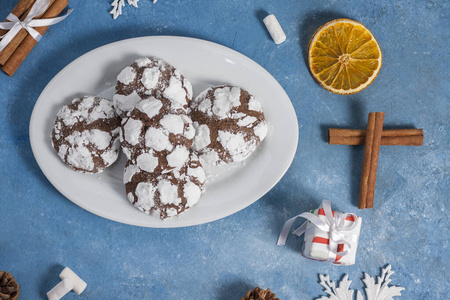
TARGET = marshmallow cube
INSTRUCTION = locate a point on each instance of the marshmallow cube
(78, 284)
(274, 28)
(60, 290)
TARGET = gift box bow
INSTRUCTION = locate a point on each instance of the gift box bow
(333, 225)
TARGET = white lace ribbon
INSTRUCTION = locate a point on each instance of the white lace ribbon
(15, 25)
(333, 226)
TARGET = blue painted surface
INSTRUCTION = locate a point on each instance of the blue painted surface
(41, 231)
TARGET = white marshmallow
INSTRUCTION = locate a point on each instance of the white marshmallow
(78, 284)
(69, 281)
(60, 290)
(274, 28)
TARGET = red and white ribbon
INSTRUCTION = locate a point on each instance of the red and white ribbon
(333, 226)
(15, 24)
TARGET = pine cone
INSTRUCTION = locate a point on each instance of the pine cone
(9, 289)
(260, 294)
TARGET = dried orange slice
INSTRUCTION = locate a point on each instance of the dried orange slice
(344, 57)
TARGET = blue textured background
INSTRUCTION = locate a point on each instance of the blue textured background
(41, 231)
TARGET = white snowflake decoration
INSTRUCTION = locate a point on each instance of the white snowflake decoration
(118, 4)
(374, 291)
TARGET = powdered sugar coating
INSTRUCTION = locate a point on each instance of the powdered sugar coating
(178, 156)
(236, 145)
(86, 134)
(147, 161)
(229, 124)
(151, 77)
(127, 75)
(168, 194)
(202, 136)
(125, 103)
(152, 127)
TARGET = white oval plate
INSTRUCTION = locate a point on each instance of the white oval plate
(204, 64)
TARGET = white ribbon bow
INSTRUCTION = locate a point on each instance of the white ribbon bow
(333, 226)
(15, 25)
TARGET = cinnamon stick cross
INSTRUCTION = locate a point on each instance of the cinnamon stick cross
(372, 139)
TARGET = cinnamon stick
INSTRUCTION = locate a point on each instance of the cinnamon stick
(404, 137)
(379, 118)
(18, 38)
(29, 42)
(18, 11)
(370, 160)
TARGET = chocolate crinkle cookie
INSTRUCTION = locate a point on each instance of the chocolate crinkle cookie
(156, 138)
(151, 77)
(167, 194)
(229, 124)
(86, 134)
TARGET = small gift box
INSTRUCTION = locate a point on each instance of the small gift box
(329, 236)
